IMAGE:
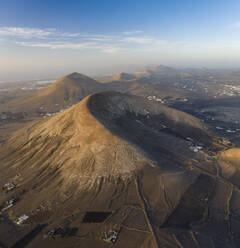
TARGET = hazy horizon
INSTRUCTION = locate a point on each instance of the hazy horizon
(50, 39)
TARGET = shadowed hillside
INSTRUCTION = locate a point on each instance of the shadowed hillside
(118, 162)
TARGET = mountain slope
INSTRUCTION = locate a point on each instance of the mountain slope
(64, 92)
(122, 76)
(106, 117)
(122, 156)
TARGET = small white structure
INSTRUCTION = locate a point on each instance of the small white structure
(196, 148)
(230, 131)
(4, 117)
(22, 219)
(10, 204)
(159, 100)
(154, 98)
(189, 139)
(110, 236)
(9, 186)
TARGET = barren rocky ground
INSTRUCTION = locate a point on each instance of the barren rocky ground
(118, 163)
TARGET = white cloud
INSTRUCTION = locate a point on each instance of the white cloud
(105, 43)
(148, 40)
(133, 32)
(25, 32)
(69, 45)
(50, 33)
(55, 45)
(70, 35)
(138, 40)
(28, 33)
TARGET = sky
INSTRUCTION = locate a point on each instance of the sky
(51, 38)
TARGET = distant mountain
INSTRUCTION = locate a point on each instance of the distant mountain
(123, 77)
(70, 89)
(162, 69)
(149, 73)
(63, 93)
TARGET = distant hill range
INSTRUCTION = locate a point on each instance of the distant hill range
(123, 76)
(60, 94)
(165, 83)
(70, 89)
(165, 74)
